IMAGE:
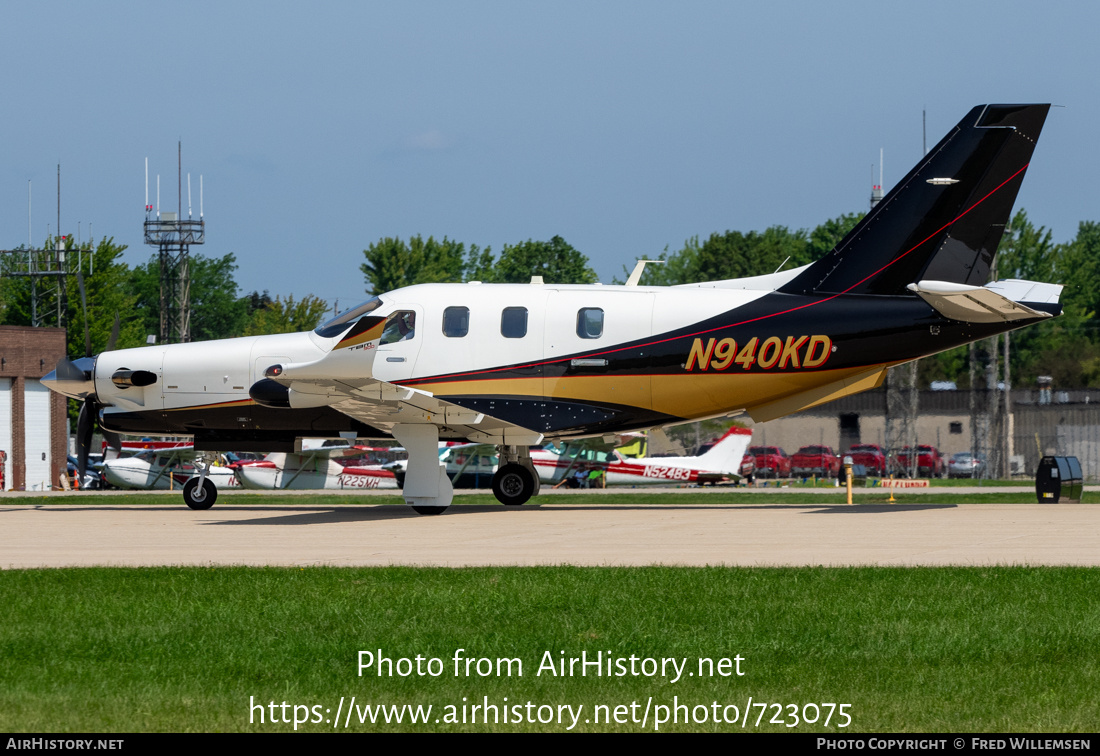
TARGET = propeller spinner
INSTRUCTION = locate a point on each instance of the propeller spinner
(76, 379)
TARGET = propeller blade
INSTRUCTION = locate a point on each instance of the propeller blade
(84, 306)
(67, 370)
(114, 335)
(85, 426)
(112, 438)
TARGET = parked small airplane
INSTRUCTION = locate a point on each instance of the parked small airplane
(315, 469)
(515, 365)
(475, 465)
(722, 462)
(163, 468)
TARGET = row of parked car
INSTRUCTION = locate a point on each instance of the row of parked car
(822, 461)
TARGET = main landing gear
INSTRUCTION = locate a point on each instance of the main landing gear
(427, 488)
(516, 480)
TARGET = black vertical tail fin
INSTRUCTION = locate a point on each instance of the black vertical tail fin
(944, 220)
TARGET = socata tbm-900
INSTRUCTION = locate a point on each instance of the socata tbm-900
(513, 365)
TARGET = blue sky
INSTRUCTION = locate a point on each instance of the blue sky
(624, 127)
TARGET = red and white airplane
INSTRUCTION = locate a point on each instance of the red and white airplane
(722, 462)
(314, 469)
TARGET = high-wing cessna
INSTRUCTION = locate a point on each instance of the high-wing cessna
(163, 468)
(314, 469)
(516, 364)
(723, 461)
(475, 465)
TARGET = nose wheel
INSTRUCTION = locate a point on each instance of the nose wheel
(200, 493)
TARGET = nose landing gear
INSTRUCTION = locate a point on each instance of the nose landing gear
(200, 492)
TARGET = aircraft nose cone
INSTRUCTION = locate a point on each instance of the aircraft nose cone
(72, 379)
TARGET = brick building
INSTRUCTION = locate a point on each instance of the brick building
(33, 422)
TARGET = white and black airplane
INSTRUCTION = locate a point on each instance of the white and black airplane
(514, 365)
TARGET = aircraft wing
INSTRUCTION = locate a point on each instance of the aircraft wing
(713, 477)
(184, 453)
(333, 452)
(995, 302)
(384, 405)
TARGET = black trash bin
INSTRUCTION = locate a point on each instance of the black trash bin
(1058, 479)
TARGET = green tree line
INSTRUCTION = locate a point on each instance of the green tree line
(394, 263)
(218, 310)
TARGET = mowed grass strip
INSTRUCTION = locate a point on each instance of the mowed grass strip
(184, 649)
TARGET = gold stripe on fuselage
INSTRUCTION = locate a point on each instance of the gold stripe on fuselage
(679, 395)
(214, 405)
(371, 334)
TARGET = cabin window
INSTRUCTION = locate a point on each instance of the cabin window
(456, 322)
(513, 322)
(590, 323)
(400, 326)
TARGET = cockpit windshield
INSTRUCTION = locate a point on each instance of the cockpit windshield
(340, 323)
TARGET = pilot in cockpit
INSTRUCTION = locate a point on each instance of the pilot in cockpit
(401, 326)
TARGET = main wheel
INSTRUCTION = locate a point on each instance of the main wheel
(513, 485)
(429, 510)
(200, 498)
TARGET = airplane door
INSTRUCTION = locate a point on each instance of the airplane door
(400, 344)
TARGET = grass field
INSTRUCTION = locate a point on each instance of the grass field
(917, 650)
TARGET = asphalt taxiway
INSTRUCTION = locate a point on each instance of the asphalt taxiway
(37, 532)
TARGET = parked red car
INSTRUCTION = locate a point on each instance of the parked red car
(748, 467)
(871, 457)
(930, 462)
(771, 462)
(815, 460)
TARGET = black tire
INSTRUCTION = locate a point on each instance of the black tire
(512, 485)
(429, 510)
(197, 498)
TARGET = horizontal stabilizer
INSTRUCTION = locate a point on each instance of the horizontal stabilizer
(1000, 301)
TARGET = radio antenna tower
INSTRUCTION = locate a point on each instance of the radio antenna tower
(173, 237)
(41, 265)
(876, 189)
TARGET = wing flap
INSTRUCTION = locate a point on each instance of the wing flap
(343, 380)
